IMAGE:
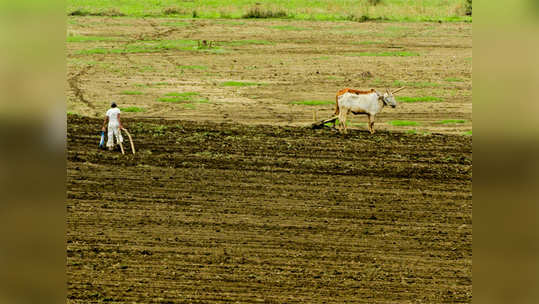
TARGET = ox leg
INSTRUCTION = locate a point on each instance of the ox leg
(371, 124)
(341, 118)
(345, 115)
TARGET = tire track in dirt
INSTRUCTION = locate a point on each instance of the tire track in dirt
(74, 84)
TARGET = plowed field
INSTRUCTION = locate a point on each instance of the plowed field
(211, 212)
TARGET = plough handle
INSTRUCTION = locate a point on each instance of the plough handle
(130, 140)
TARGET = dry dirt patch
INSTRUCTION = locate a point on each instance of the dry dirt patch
(288, 60)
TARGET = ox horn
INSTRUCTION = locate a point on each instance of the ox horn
(401, 88)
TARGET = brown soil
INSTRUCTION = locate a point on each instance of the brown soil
(215, 212)
(292, 60)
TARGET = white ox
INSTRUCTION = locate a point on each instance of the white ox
(368, 103)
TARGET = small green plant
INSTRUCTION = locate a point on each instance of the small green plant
(454, 79)
(403, 123)
(184, 94)
(398, 83)
(194, 14)
(158, 130)
(348, 123)
(149, 85)
(418, 99)
(131, 93)
(132, 109)
(185, 97)
(469, 133)
(411, 131)
(239, 84)
(313, 102)
(451, 121)
(192, 67)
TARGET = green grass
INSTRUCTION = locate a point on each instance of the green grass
(132, 109)
(411, 131)
(149, 85)
(239, 84)
(451, 121)
(403, 123)
(469, 133)
(289, 28)
(348, 123)
(184, 94)
(424, 84)
(92, 39)
(131, 93)
(454, 79)
(192, 67)
(418, 99)
(328, 10)
(313, 102)
(184, 97)
(386, 54)
(247, 42)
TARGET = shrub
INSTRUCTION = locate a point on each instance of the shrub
(364, 18)
(79, 12)
(173, 11)
(374, 2)
(468, 7)
(110, 13)
(257, 12)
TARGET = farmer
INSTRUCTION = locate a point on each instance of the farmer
(115, 124)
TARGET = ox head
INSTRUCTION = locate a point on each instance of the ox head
(389, 99)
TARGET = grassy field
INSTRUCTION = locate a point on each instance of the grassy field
(363, 10)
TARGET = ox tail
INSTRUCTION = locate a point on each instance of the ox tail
(337, 104)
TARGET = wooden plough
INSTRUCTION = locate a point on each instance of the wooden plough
(130, 140)
(322, 123)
